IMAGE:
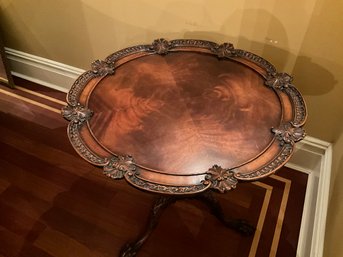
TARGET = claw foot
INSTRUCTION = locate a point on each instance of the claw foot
(129, 250)
(242, 227)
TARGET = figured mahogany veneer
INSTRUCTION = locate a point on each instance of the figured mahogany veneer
(183, 116)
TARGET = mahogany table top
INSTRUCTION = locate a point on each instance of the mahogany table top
(183, 116)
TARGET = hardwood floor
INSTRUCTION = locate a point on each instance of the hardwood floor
(53, 203)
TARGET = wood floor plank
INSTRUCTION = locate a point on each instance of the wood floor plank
(60, 245)
(55, 137)
(31, 184)
(23, 201)
(4, 184)
(44, 152)
(29, 112)
(40, 89)
(16, 220)
(38, 167)
(14, 245)
(29, 250)
(11, 243)
(82, 231)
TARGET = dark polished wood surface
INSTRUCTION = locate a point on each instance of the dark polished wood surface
(183, 116)
(184, 112)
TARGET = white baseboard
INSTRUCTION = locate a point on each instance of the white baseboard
(41, 70)
(312, 155)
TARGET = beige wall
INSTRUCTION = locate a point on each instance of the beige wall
(303, 38)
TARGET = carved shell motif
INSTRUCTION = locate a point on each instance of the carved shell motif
(102, 68)
(77, 114)
(220, 179)
(160, 46)
(225, 50)
(289, 134)
(279, 80)
(118, 166)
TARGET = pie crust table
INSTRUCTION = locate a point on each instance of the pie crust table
(184, 118)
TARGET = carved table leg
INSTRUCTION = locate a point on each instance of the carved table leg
(239, 225)
(161, 203)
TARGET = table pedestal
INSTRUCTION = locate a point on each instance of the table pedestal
(162, 202)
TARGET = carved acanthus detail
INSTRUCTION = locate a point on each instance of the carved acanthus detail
(118, 166)
(102, 68)
(269, 168)
(81, 147)
(78, 86)
(165, 189)
(225, 50)
(279, 81)
(161, 46)
(220, 179)
(77, 114)
(289, 134)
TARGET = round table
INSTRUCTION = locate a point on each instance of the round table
(184, 116)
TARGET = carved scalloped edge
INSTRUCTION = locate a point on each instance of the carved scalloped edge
(300, 111)
(173, 45)
(289, 133)
(118, 166)
(102, 68)
(79, 84)
(278, 80)
(160, 46)
(129, 174)
(126, 52)
(271, 167)
(99, 68)
(220, 179)
(263, 63)
(283, 82)
(76, 114)
(217, 50)
(115, 167)
(164, 189)
(81, 148)
(176, 43)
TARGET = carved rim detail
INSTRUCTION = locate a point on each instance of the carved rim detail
(76, 114)
(271, 167)
(300, 112)
(279, 81)
(81, 148)
(164, 189)
(225, 50)
(283, 82)
(220, 179)
(161, 46)
(102, 68)
(78, 86)
(289, 134)
(216, 177)
(118, 166)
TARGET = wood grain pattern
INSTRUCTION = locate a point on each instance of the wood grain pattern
(184, 112)
(183, 116)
